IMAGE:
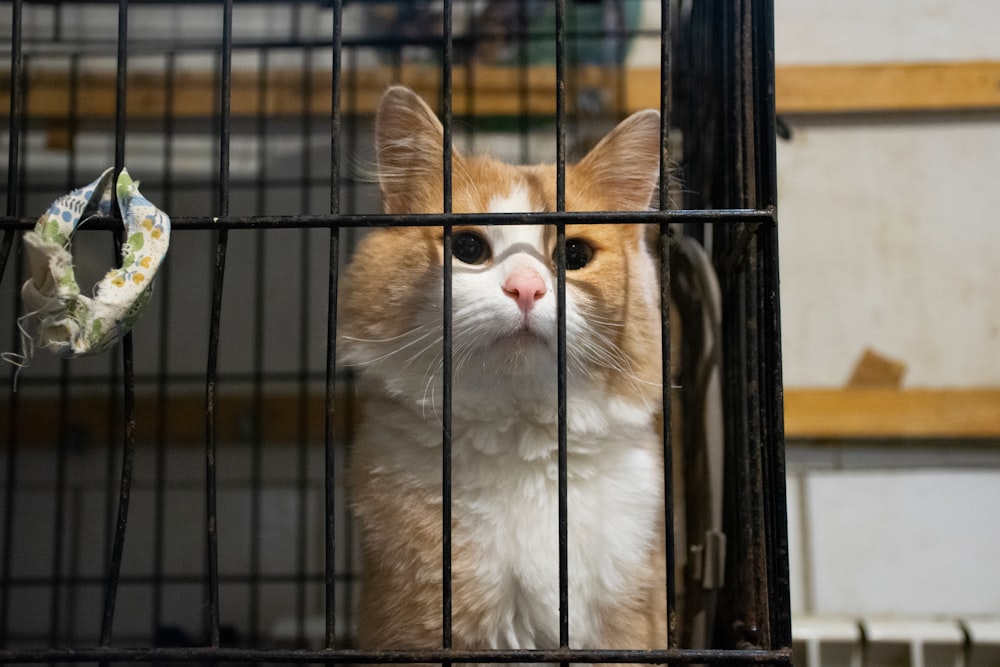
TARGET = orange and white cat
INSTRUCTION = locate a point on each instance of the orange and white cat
(505, 563)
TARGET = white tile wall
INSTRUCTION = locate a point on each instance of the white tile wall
(873, 534)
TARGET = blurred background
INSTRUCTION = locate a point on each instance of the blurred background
(889, 211)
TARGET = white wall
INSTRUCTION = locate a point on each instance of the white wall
(894, 530)
(890, 231)
(889, 237)
(890, 224)
(854, 31)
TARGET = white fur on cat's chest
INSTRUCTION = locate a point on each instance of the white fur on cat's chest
(612, 524)
(505, 509)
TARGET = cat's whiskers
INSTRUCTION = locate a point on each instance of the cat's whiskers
(383, 340)
(597, 349)
(421, 353)
(392, 339)
(429, 389)
(594, 318)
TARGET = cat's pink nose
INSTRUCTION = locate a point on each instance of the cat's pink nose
(525, 286)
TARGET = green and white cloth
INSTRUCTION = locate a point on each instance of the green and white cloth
(58, 317)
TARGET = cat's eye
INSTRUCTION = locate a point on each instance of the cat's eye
(470, 248)
(578, 254)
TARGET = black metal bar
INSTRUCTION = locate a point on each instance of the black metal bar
(75, 539)
(524, 115)
(128, 450)
(470, 93)
(773, 454)
(151, 378)
(11, 466)
(775, 507)
(128, 385)
(59, 508)
(718, 216)
(620, 39)
(298, 656)
(212, 548)
(99, 47)
(10, 496)
(212, 538)
(331, 349)
(560, 36)
(14, 143)
(757, 619)
(563, 509)
(110, 466)
(446, 333)
(751, 143)
(765, 119)
(12, 458)
(42, 181)
(163, 357)
(664, 251)
(42, 581)
(58, 522)
(257, 391)
(305, 289)
(666, 98)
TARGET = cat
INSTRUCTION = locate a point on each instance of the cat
(504, 425)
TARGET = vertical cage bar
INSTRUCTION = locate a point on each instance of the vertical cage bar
(212, 537)
(524, 117)
(446, 333)
(620, 52)
(563, 510)
(775, 510)
(110, 466)
(12, 463)
(305, 284)
(349, 79)
(758, 622)
(13, 145)
(163, 355)
(257, 390)
(758, 626)
(765, 118)
(73, 575)
(63, 434)
(128, 371)
(59, 508)
(6, 245)
(665, 246)
(331, 338)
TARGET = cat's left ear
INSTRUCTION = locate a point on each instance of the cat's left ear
(625, 165)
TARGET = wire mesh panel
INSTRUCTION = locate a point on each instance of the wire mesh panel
(183, 496)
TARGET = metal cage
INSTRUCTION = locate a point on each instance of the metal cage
(179, 499)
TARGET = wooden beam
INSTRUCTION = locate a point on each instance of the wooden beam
(943, 86)
(891, 413)
(283, 418)
(841, 414)
(492, 91)
(484, 90)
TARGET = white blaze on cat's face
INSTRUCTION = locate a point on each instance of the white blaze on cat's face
(525, 278)
(503, 282)
(517, 201)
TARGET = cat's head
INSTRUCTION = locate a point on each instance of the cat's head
(503, 282)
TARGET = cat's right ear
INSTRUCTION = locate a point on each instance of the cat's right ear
(408, 146)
